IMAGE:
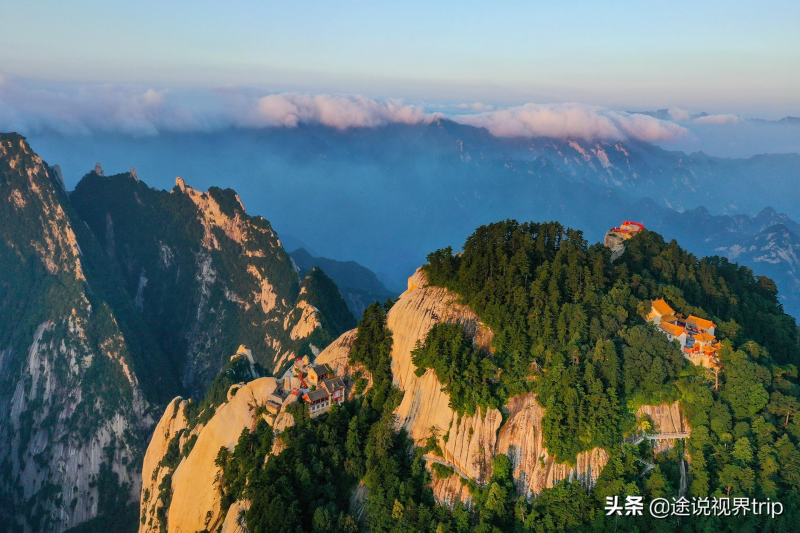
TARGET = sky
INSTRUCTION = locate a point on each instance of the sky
(719, 57)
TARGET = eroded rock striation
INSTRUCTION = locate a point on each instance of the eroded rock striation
(191, 484)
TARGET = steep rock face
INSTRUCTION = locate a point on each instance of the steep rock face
(172, 422)
(336, 356)
(78, 374)
(450, 491)
(195, 498)
(318, 317)
(307, 322)
(234, 520)
(205, 275)
(668, 418)
(470, 440)
(521, 438)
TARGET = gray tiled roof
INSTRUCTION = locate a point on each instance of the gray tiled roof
(333, 384)
(320, 369)
(317, 395)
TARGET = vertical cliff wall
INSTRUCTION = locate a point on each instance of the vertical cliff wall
(77, 373)
(207, 277)
(190, 481)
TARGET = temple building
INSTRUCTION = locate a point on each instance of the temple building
(329, 392)
(695, 334)
(628, 229)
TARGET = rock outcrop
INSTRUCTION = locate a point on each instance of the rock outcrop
(521, 438)
(336, 356)
(667, 419)
(468, 442)
(171, 424)
(195, 500)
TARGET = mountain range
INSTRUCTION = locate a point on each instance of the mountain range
(358, 285)
(386, 196)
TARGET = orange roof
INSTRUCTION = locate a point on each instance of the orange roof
(669, 318)
(672, 329)
(662, 308)
(700, 323)
(704, 337)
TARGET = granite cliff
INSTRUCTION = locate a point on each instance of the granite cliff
(79, 376)
(206, 276)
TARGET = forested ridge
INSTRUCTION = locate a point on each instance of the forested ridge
(568, 325)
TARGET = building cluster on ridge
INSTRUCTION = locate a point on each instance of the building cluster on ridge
(695, 334)
(628, 229)
(319, 386)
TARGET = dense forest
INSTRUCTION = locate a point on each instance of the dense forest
(569, 325)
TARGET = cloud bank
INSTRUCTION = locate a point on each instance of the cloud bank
(31, 107)
(573, 120)
(718, 119)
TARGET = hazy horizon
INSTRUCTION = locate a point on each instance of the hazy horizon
(721, 58)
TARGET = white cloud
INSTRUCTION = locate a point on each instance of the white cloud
(718, 119)
(342, 112)
(476, 106)
(573, 120)
(678, 115)
(28, 107)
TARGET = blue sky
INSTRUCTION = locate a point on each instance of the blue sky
(719, 57)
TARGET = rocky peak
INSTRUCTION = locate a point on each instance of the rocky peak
(206, 275)
(212, 215)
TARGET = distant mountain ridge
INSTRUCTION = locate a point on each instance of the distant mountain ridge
(386, 196)
(358, 285)
(774, 252)
(730, 236)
